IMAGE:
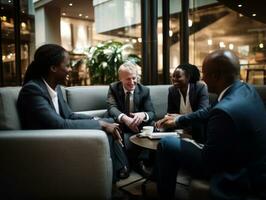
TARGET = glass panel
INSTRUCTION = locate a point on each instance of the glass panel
(27, 34)
(8, 71)
(174, 34)
(100, 41)
(216, 26)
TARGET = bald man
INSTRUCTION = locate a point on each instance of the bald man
(133, 113)
(233, 157)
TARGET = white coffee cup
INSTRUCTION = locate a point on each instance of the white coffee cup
(147, 130)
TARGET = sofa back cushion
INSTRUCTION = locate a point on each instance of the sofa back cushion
(9, 119)
(87, 98)
(159, 94)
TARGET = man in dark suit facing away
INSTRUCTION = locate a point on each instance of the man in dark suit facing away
(234, 154)
(130, 105)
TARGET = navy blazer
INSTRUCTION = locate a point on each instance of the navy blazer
(235, 150)
(116, 100)
(36, 110)
(198, 97)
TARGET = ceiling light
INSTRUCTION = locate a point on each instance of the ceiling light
(222, 45)
(209, 42)
(254, 14)
(70, 4)
(23, 25)
(134, 41)
(170, 33)
(9, 1)
(190, 23)
(3, 18)
(139, 40)
(86, 16)
(239, 5)
(261, 45)
(80, 15)
(64, 14)
(231, 46)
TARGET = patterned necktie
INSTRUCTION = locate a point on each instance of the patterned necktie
(127, 103)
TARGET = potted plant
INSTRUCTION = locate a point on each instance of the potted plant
(104, 60)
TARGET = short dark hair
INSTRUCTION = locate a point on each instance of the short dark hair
(191, 71)
(45, 56)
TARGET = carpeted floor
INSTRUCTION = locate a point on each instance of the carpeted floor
(136, 187)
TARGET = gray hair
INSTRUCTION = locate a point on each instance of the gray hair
(132, 67)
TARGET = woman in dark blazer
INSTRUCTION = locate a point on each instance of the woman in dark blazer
(187, 94)
(41, 104)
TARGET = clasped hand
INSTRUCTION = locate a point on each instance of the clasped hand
(134, 120)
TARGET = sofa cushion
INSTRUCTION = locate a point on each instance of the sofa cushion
(9, 118)
(55, 164)
(85, 98)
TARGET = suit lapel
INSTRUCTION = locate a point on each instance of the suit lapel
(136, 98)
(192, 95)
(45, 92)
(62, 108)
(177, 98)
(121, 96)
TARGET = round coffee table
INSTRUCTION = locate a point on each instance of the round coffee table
(152, 143)
(144, 142)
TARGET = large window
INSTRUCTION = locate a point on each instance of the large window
(10, 72)
(218, 27)
(96, 39)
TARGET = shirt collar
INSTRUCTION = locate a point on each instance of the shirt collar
(188, 88)
(222, 93)
(51, 92)
(125, 91)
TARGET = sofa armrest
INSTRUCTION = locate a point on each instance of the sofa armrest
(55, 164)
(95, 113)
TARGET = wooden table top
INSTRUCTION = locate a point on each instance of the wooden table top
(144, 142)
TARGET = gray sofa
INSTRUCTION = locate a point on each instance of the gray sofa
(55, 164)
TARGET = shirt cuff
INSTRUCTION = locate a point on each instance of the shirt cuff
(146, 119)
(177, 120)
(120, 117)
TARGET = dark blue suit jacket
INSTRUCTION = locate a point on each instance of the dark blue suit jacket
(37, 111)
(235, 150)
(198, 97)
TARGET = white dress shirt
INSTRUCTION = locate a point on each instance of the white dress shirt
(54, 97)
(185, 106)
(222, 93)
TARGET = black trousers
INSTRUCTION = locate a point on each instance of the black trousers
(118, 156)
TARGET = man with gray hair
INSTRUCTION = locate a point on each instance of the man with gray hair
(130, 105)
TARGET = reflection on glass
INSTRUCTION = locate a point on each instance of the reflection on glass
(220, 27)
